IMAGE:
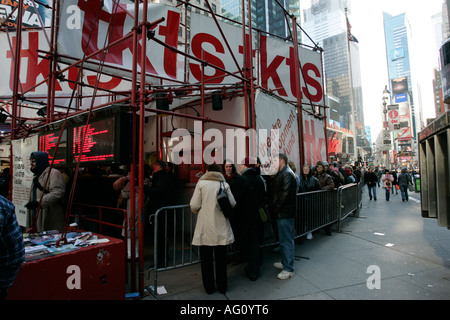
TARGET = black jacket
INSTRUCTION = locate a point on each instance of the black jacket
(161, 191)
(283, 194)
(309, 183)
(256, 195)
(371, 179)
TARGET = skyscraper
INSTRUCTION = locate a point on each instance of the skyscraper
(326, 23)
(267, 15)
(397, 37)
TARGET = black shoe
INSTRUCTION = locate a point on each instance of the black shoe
(375, 199)
(370, 198)
(252, 278)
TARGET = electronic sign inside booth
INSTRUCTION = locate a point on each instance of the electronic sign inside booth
(99, 143)
(107, 140)
(48, 142)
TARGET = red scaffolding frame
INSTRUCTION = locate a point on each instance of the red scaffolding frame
(141, 92)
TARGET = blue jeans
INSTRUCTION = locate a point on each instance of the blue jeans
(287, 245)
(404, 191)
(374, 190)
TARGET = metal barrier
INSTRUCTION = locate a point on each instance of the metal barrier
(174, 226)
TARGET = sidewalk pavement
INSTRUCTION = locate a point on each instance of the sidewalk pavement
(389, 242)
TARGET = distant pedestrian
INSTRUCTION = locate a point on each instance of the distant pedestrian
(387, 179)
(404, 180)
(394, 183)
(371, 180)
(213, 231)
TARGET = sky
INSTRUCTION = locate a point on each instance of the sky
(366, 18)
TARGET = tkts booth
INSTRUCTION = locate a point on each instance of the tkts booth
(205, 96)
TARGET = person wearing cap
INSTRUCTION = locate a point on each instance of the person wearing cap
(48, 185)
(282, 205)
(252, 226)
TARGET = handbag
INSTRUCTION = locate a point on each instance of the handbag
(224, 202)
(264, 216)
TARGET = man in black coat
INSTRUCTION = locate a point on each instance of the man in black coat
(252, 226)
(160, 195)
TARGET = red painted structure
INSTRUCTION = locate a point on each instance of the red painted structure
(140, 93)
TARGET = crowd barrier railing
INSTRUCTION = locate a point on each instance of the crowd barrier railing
(174, 226)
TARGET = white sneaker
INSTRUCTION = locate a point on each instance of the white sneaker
(278, 265)
(309, 236)
(283, 275)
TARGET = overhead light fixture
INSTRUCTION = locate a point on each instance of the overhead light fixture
(42, 112)
(163, 100)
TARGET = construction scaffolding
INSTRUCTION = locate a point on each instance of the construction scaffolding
(166, 68)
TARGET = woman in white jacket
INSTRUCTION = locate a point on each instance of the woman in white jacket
(212, 231)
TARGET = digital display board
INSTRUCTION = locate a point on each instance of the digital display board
(94, 142)
(48, 142)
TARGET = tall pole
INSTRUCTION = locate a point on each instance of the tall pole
(298, 90)
(352, 104)
(142, 99)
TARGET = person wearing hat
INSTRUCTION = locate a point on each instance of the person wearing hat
(252, 226)
(48, 185)
(325, 180)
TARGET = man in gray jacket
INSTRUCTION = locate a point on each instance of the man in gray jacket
(403, 180)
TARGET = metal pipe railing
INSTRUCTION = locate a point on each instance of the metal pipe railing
(174, 226)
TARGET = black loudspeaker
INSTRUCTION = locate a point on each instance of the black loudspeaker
(217, 103)
(3, 117)
(42, 112)
(161, 102)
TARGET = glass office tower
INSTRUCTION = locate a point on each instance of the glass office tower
(397, 36)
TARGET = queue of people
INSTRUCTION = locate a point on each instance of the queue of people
(249, 191)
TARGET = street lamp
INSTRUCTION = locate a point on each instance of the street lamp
(386, 96)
